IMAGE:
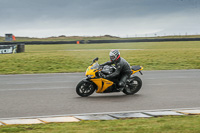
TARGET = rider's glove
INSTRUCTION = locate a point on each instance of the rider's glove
(100, 67)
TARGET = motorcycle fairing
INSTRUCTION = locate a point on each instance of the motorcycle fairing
(91, 70)
(102, 84)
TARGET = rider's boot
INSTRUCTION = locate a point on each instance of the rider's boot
(121, 88)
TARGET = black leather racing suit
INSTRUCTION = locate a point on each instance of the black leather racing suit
(123, 71)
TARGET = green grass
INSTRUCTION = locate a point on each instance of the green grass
(105, 37)
(76, 58)
(71, 38)
(168, 124)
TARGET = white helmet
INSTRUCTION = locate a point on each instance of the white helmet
(114, 55)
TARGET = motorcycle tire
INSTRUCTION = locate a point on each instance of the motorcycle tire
(134, 86)
(85, 89)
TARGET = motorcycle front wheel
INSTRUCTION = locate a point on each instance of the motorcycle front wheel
(133, 85)
(85, 89)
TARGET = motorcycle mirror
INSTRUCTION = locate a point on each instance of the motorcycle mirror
(95, 59)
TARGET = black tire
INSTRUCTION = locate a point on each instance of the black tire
(133, 85)
(85, 89)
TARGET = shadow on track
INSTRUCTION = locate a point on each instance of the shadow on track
(111, 97)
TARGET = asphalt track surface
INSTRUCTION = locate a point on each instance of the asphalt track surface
(54, 94)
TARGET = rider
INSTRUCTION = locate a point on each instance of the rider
(123, 69)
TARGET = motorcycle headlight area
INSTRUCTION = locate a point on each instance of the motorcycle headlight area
(90, 76)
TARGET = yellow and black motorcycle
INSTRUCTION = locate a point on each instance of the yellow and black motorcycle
(95, 82)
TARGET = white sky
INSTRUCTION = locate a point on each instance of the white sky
(45, 18)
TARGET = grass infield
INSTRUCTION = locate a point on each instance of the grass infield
(76, 58)
(167, 124)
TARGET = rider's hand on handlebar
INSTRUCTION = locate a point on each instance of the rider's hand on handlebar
(100, 67)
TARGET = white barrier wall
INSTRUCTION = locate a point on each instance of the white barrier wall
(7, 49)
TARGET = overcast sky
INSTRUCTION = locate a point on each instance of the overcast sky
(44, 18)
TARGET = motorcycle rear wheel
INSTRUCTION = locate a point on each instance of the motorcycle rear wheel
(85, 89)
(133, 86)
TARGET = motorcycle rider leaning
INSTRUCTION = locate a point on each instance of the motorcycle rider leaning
(123, 70)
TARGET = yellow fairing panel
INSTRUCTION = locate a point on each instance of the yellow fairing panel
(90, 71)
(98, 82)
(101, 88)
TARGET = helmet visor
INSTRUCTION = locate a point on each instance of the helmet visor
(112, 58)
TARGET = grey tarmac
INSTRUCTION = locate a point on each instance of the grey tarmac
(27, 95)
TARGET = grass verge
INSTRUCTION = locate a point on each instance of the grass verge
(168, 124)
(76, 58)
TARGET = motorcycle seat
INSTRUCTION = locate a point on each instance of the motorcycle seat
(135, 68)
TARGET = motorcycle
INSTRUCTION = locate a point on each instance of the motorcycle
(94, 80)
